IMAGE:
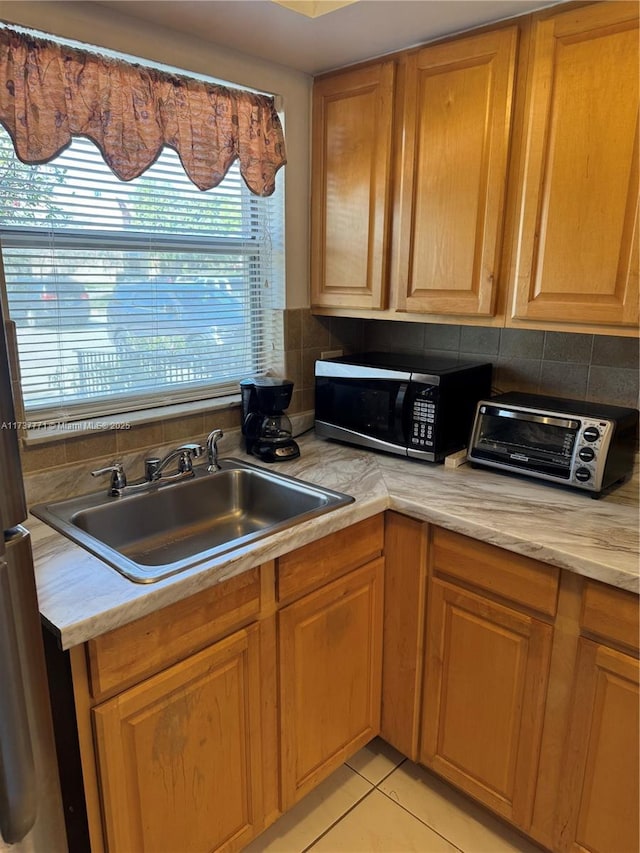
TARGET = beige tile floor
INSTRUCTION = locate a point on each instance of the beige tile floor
(380, 802)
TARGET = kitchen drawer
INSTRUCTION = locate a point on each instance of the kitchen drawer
(611, 614)
(128, 654)
(319, 562)
(518, 579)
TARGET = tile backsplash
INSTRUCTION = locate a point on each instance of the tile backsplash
(602, 368)
(589, 367)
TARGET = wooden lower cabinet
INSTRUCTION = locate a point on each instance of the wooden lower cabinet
(183, 743)
(484, 698)
(405, 581)
(489, 636)
(530, 700)
(518, 683)
(599, 793)
(601, 789)
(180, 753)
(330, 673)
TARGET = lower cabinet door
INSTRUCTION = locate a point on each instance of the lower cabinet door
(600, 795)
(330, 677)
(484, 698)
(180, 754)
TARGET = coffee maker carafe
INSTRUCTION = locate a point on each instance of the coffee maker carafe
(266, 429)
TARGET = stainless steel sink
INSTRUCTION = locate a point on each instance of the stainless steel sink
(174, 526)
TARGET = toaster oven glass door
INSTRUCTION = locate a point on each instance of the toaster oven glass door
(534, 442)
(370, 407)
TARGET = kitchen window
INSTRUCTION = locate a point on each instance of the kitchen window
(129, 295)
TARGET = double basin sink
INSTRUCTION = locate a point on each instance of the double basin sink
(171, 527)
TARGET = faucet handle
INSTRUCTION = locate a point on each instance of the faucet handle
(188, 452)
(118, 477)
(212, 449)
(151, 466)
(193, 449)
(185, 461)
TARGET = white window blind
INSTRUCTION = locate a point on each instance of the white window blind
(131, 295)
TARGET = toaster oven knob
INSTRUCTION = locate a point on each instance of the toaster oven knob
(586, 454)
(591, 434)
(583, 474)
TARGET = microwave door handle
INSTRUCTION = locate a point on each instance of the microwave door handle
(402, 413)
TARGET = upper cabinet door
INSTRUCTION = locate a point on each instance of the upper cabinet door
(351, 185)
(574, 257)
(457, 118)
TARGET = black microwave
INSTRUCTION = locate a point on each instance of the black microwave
(580, 444)
(411, 405)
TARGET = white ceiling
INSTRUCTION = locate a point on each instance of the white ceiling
(349, 34)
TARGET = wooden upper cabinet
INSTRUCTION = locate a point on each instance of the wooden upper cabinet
(457, 118)
(351, 185)
(574, 257)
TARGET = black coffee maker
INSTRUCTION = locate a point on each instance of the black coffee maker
(266, 429)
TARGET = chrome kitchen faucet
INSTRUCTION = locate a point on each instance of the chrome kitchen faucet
(153, 468)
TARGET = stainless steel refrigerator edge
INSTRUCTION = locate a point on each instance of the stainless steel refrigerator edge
(31, 816)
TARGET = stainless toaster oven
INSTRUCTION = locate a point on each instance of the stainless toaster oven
(585, 445)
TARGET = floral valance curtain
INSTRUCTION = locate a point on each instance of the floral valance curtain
(50, 92)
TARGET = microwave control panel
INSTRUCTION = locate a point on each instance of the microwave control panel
(423, 418)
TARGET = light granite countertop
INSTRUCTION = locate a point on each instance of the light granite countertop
(81, 597)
